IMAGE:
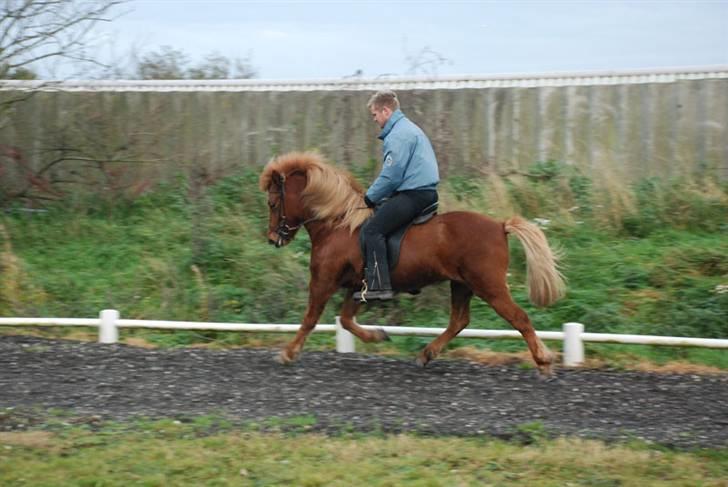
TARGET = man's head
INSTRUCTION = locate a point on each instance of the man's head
(381, 106)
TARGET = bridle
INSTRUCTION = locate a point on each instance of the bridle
(284, 230)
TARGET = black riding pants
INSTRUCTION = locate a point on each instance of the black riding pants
(394, 213)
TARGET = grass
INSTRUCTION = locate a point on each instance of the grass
(210, 451)
(644, 258)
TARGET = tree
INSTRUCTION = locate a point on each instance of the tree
(171, 63)
(23, 73)
(217, 66)
(41, 30)
(425, 61)
(168, 63)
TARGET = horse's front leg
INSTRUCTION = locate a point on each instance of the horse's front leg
(319, 292)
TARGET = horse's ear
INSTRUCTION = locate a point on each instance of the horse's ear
(298, 182)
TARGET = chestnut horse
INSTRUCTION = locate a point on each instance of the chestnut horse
(468, 249)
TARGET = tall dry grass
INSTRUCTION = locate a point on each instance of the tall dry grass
(607, 196)
(18, 293)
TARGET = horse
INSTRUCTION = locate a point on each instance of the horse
(466, 248)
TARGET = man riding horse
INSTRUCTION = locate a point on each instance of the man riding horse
(406, 185)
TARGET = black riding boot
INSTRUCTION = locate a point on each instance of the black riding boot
(378, 285)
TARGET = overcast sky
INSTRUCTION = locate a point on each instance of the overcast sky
(297, 40)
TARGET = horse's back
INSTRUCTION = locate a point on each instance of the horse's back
(466, 226)
(470, 218)
(450, 240)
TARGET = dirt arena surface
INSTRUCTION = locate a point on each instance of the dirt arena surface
(353, 392)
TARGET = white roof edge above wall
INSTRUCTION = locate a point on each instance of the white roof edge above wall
(578, 78)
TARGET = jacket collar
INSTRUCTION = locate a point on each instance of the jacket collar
(397, 115)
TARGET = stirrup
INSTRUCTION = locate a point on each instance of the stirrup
(365, 293)
(381, 294)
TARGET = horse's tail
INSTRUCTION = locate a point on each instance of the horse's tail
(545, 282)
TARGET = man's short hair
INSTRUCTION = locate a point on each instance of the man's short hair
(384, 98)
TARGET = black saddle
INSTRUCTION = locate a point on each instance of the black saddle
(394, 241)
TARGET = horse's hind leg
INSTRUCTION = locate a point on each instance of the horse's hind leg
(460, 296)
(500, 299)
(348, 312)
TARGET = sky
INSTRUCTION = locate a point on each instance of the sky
(336, 39)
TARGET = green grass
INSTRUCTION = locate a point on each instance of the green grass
(210, 451)
(653, 266)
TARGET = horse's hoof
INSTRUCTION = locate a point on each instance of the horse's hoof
(424, 358)
(546, 374)
(550, 379)
(383, 336)
(283, 358)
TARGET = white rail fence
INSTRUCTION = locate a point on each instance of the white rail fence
(573, 334)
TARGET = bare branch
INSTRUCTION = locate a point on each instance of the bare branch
(34, 30)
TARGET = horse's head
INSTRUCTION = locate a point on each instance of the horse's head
(303, 188)
(285, 212)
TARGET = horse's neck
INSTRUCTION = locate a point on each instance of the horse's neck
(318, 231)
(321, 233)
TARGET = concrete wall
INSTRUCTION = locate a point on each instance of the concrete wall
(659, 128)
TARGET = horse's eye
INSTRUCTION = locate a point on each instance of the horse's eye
(272, 204)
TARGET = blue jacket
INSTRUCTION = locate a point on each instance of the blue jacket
(408, 159)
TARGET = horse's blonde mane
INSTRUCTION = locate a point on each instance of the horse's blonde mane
(331, 194)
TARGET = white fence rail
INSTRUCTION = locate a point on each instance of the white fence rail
(573, 334)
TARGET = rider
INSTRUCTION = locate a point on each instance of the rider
(406, 186)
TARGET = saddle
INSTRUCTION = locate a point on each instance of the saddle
(394, 241)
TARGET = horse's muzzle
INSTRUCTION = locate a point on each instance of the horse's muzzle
(277, 240)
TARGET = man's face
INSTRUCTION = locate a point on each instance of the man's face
(380, 115)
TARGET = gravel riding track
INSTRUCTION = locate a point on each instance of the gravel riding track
(357, 392)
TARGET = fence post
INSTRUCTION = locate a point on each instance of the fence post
(573, 344)
(344, 339)
(108, 332)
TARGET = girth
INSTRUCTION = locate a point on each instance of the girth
(394, 241)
